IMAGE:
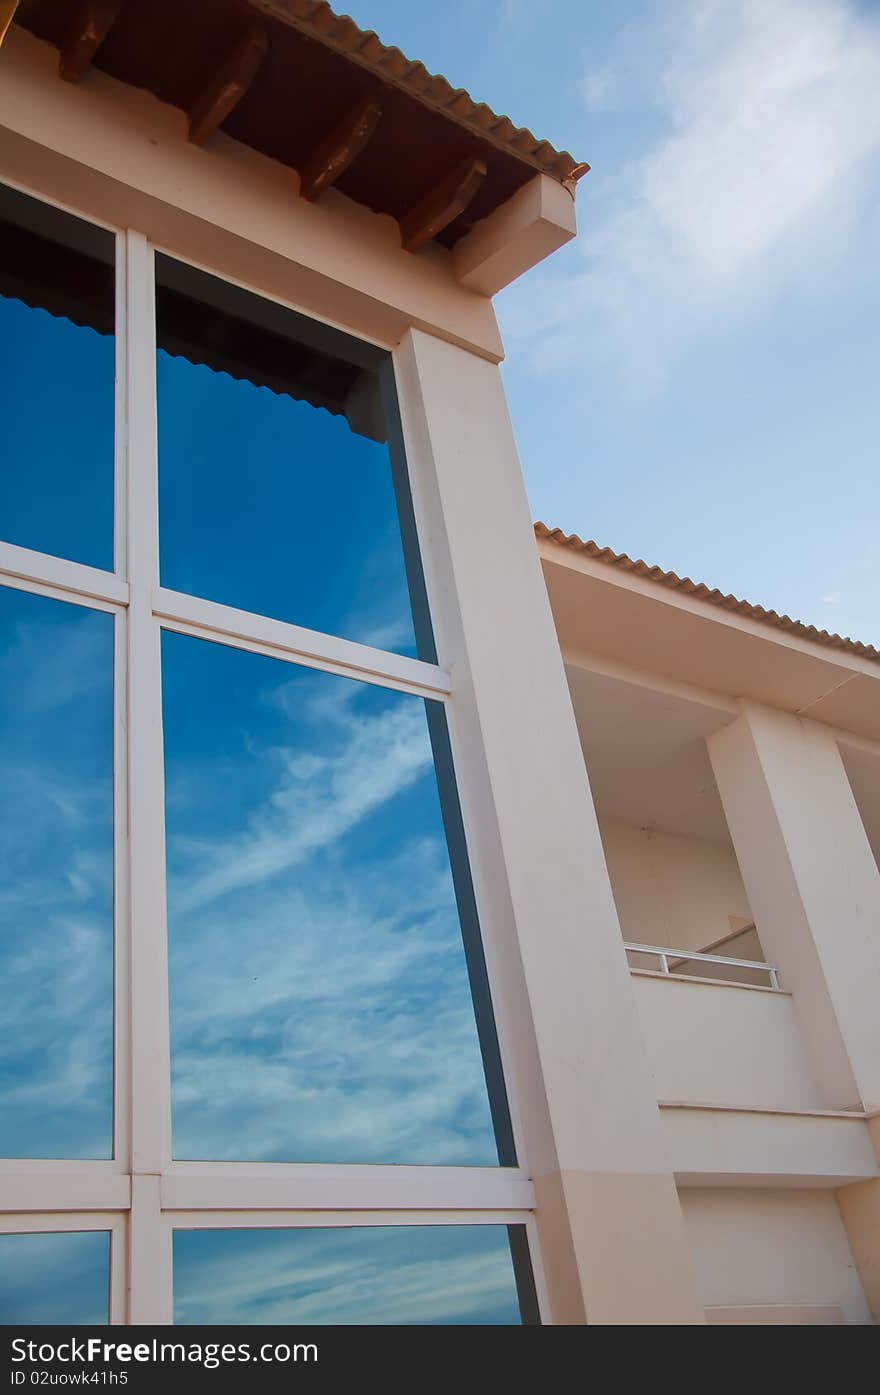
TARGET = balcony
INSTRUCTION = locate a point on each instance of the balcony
(681, 963)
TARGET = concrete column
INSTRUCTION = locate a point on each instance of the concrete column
(813, 886)
(860, 1212)
(612, 1234)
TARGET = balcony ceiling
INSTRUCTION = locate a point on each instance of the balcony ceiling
(646, 755)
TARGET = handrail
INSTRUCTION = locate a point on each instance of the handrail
(664, 954)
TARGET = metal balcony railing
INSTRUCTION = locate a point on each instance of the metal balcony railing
(684, 956)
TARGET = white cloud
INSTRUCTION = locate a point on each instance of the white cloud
(759, 179)
(317, 798)
(392, 1275)
(601, 88)
(273, 1056)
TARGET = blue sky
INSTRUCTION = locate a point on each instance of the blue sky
(55, 1278)
(56, 879)
(694, 381)
(397, 1275)
(303, 829)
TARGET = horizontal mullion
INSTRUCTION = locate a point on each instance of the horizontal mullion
(315, 1187)
(78, 582)
(69, 1190)
(244, 630)
(289, 1219)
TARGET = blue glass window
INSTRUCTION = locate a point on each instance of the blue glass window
(59, 1278)
(320, 1002)
(56, 382)
(56, 879)
(396, 1275)
(277, 492)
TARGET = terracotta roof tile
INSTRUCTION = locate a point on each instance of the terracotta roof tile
(316, 19)
(701, 592)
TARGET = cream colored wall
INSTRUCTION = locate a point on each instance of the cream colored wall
(772, 1247)
(670, 890)
(720, 1045)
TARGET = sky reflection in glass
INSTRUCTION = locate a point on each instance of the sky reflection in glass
(320, 1007)
(56, 1278)
(56, 388)
(371, 1275)
(56, 879)
(274, 506)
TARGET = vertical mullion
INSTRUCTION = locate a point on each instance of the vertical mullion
(121, 938)
(121, 903)
(120, 473)
(150, 1295)
(150, 1102)
(118, 1271)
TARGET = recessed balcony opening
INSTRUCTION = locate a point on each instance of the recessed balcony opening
(680, 897)
(862, 765)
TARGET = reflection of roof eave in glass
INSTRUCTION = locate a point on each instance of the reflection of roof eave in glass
(230, 330)
(310, 89)
(54, 262)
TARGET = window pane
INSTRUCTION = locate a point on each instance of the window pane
(56, 879)
(56, 381)
(320, 1004)
(276, 491)
(395, 1275)
(55, 1278)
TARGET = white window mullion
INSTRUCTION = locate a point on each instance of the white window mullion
(279, 639)
(150, 1085)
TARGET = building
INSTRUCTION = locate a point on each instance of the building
(382, 941)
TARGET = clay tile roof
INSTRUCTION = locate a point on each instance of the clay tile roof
(316, 19)
(302, 75)
(701, 592)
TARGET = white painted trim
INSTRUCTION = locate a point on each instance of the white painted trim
(336, 1220)
(121, 902)
(48, 1222)
(148, 991)
(74, 580)
(307, 1187)
(65, 1190)
(119, 1241)
(65, 1223)
(150, 1264)
(49, 1167)
(243, 630)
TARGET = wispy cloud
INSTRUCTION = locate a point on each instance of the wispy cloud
(388, 1275)
(318, 797)
(320, 1004)
(56, 878)
(768, 122)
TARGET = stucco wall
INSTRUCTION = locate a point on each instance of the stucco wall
(772, 1247)
(714, 1045)
(673, 891)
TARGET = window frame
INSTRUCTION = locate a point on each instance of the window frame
(142, 1194)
